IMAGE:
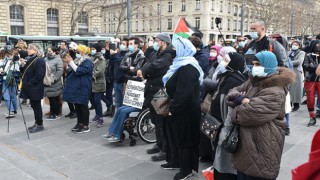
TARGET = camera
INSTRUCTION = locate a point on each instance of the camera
(218, 20)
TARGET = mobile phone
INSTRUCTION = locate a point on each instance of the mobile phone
(113, 46)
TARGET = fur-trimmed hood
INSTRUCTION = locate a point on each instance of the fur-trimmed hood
(282, 78)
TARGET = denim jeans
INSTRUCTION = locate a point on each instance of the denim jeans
(118, 94)
(10, 97)
(116, 126)
(97, 103)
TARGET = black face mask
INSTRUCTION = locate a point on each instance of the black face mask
(317, 49)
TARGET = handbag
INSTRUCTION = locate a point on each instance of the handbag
(205, 105)
(160, 102)
(210, 126)
(230, 144)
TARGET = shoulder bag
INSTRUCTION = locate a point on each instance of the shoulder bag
(161, 102)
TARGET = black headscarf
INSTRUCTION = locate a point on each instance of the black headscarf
(237, 62)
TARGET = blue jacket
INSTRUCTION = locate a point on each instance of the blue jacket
(78, 84)
(203, 59)
(117, 73)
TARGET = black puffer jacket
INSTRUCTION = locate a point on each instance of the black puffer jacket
(154, 71)
(311, 63)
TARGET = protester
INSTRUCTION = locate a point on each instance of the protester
(233, 77)
(201, 55)
(109, 78)
(78, 86)
(260, 42)
(10, 68)
(99, 81)
(153, 72)
(63, 48)
(259, 110)
(311, 83)
(131, 63)
(241, 44)
(33, 72)
(214, 53)
(182, 82)
(296, 89)
(54, 91)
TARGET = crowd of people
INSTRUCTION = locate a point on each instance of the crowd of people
(255, 85)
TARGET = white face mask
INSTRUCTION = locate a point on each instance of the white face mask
(258, 71)
(213, 54)
(150, 43)
(294, 47)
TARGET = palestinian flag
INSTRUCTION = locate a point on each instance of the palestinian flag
(184, 29)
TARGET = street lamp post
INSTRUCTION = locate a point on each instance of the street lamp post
(244, 2)
(129, 17)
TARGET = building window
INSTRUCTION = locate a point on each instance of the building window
(183, 5)
(169, 24)
(83, 22)
(198, 4)
(170, 6)
(246, 26)
(212, 23)
(142, 25)
(239, 26)
(229, 25)
(235, 10)
(229, 8)
(158, 9)
(109, 28)
(16, 19)
(137, 26)
(221, 6)
(240, 8)
(53, 22)
(197, 22)
(234, 25)
(124, 27)
(212, 5)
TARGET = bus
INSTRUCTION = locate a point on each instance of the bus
(9, 41)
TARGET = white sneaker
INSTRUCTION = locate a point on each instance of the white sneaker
(106, 136)
(113, 140)
(10, 115)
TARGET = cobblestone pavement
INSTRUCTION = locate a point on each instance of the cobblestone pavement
(58, 154)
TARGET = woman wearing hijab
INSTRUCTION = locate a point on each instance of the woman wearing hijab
(182, 82)
(214, 53)
(259, 110)
(33, 72)
(233, 77)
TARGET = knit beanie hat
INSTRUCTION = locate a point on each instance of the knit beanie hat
(97, 46)
(267, 60)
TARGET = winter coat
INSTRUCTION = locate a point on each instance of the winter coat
(56, 66)
(296, 89)
(136, 60)
(310, 64)
(261, 123)
(99, 79)
(116, 60)
(154, 71)
(203, 59)
(78, 83)
(184, 89)
(264, 45)
(109, 71)
(32, 81)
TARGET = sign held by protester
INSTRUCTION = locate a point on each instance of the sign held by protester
(134, 94)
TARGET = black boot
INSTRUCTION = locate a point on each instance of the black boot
(107, 112)
(296, 107)
(287, 131)
(153, 150)
(159, 157)
(312, 122)
(74, 115)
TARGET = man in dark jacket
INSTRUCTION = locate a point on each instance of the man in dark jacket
(201, 55)
(153, 71)
(260, 42)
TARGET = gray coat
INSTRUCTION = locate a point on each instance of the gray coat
(222, 162)
(56, 66)
(296, 89)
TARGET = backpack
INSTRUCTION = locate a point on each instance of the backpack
(290, 65)
(49, 76)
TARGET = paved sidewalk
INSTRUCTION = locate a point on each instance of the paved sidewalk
(57, 153)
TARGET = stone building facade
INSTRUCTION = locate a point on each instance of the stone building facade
(45, 17)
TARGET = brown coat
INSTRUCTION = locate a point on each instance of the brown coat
(262, 124)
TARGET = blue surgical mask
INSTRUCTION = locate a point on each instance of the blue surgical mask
(258, 71)
(156, 46)
(242, 44)
(131, 48)
(254, 35)
(78, 56)
(122, 47)
(93, 52)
